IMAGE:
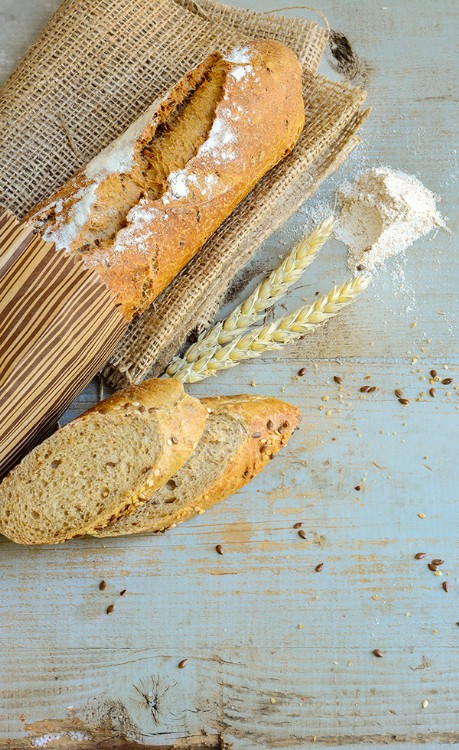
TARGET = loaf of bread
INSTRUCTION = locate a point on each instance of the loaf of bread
(145, 459)
(241, 435)
(101, 464)
(140, 210)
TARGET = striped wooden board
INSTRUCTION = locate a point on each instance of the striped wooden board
(59, 325)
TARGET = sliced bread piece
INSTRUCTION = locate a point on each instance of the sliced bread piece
(241, 434)
(101, 464)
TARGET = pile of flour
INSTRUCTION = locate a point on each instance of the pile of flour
(381, 214)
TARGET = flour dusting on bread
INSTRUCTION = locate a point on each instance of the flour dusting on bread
(141, 209)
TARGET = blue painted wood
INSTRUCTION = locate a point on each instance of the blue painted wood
(279, 654)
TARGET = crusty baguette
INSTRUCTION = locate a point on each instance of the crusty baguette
(139, 211)
(242, 433)
(102, 463)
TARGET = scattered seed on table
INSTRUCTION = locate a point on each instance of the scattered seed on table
(298, 525)
(377, 652)
(219, 549)
(437, 561)
(420, 555)
(357, 488)
(432, 392)
(399, 393)
(302, 533)
(425, 704)
(302, 372)
(122, 593)
(421, 515)
(103, 585)
(447, 381)
(431, 566)
(337, 379)
(438, 573)
(433, 373)
(372, 389)
(445, 586)
(110, 609)
(270, 424)
(182, 664)
(319, 567)
(404, 401)
(364, 388)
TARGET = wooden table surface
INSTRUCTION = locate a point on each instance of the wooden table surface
(280, 656)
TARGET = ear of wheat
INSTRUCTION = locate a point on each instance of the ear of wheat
(271, 336)
(264, 296)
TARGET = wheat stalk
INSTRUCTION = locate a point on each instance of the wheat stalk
(273, 335)
(264, 296)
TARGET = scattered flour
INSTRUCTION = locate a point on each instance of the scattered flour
(178, 184)
(381, 214)
(241, 71)
(239, 55)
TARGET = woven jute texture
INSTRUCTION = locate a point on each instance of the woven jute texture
(97, 66)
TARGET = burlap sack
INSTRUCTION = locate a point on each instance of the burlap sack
(96, 66)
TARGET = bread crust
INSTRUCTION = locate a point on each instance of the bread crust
(257, 121)
(268, 424)
(180, 422)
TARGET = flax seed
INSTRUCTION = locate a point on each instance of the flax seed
(319, 567)
(122, 593)
(431, 566)
(437, 562)
(404, 401)
(420, 555)
(399, 393)
(337, 379)
(219, 549)
(357, 488)
(298, 525)
(302, 372)
(110, 609)
(445, 586)
(432, 392)
(182, 664)
(102, 585)
(377, 653)
(302, 534)
(433, 373)
(364, 388)
(174, 440)
(270, 424)
(372, 389)
(447, 381)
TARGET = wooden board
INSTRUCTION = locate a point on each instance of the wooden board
(281, 656)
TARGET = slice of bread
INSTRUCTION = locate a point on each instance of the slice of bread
(241, 434)
(102, 464)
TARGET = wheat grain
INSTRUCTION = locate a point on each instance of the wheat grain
(273, 335)
(264, 296)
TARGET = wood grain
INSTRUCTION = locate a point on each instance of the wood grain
(254, 678)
